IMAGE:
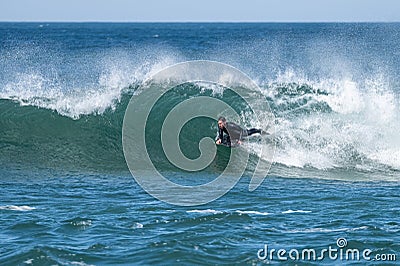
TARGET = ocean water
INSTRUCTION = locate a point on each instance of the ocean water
(67, 196)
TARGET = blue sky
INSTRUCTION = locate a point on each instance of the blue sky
(202, 10)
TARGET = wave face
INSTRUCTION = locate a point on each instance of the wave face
(64, 90)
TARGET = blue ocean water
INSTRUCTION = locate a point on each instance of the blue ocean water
(67, 196)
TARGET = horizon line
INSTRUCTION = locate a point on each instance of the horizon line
(198, 21)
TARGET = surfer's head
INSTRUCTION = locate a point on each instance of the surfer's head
(221, 122)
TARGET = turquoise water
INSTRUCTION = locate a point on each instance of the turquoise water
(67, 196)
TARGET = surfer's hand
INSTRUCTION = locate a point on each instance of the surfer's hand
(218, 141)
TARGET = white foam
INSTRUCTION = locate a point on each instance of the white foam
(17, 208)
(387, 156)
(206, 211)
(80, 263)
(30, 261)
(295, 211)
(347, 96)
(211, 211)
(252, 212)
(363, 124)
(138, 225)
(83, 223)
(325, 230)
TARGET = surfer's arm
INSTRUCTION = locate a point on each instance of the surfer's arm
(220, 136)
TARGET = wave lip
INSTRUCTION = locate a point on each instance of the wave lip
(35, 90)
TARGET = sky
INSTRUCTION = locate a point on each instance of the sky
(202, 10)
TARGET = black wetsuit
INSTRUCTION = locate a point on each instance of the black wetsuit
(234, 133)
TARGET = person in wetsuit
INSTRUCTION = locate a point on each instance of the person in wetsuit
(234, 133)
